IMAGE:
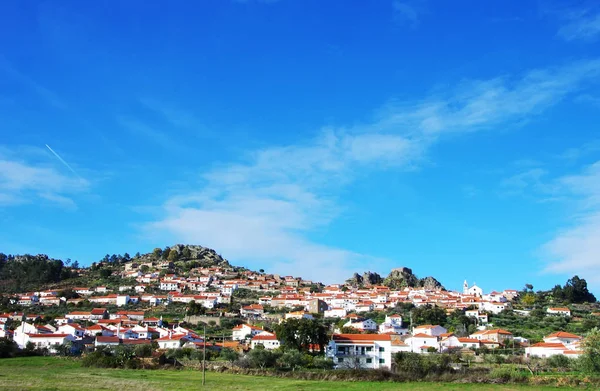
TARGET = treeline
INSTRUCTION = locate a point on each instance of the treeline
(20, 273)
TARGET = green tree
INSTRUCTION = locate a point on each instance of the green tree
(292, 359)
(591, 351)
(259, 357)
(187, 253)
(173, 256)
(429, 315)
(229, 354)
(166, 252)
(144, 269)
(157, 252)
(528, 300)
(302, 334)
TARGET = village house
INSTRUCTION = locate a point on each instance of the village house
(563, 311)
(432, 330)
(266, 339)
(369, 351)
(244, 330)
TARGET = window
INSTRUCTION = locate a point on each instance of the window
(381, 350)
(340, 359)
(369, 360)
(382, 360)
(369, 349)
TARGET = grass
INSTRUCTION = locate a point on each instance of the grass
(49, 373)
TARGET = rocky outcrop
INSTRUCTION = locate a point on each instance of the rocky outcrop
(367, 279)
(403, 277)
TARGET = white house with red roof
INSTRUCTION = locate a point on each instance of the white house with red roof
(429, 329)
(364, 350)
(564, 311)
(241, 331)
(266, 339)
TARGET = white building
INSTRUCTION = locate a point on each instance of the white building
(361, 324)
(364, 350)
(564, 311)
(474, 290)
(266, 339)
(432, 330)
(241, 331)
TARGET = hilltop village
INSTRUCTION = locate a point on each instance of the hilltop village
(154, 301)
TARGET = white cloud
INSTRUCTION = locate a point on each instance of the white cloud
(582, 24)
(407, 12)
(27, 181)
(576, 250)
(265, 208)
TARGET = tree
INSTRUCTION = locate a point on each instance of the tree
(259, 357)
(292, 359)
(166, 252)
(300, 334)
(229, 354)
(574, 291)
(261, 271)
(528, 300)
(429, 315)
(157, 252)
(173, 256)
(591, 351)
(75, 265)
(144, 269)
(187, 253)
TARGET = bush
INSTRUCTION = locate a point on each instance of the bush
(509, 374)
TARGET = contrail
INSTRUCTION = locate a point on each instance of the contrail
(63, 161)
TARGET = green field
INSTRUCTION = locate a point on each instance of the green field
(48, 373)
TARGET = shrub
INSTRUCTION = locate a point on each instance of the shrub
(509, 374)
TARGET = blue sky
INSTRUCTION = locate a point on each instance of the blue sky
(314, 138)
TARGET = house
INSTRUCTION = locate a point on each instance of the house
(361, 324)
(107, 341)
(298, 315)
(79, 315)
(137, 316)
(432, 330)
(546, 349)
(72, 329)
(562, 337)
(49, 341)
(564, 311)
(240, 332)
(494, 335)
(252, 311)
(469, 343)
(362, 350)
(173, 341)
(481, 317)
(266, 339)
(153, 322)
(98, 313)
(392, 325)
(98, 330)
(422, 343)
(336, 312)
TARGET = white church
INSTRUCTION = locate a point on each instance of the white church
(474, 290)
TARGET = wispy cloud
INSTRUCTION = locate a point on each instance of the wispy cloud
(46, 94)
(581, 24)
(264, 208)
(407, 12)
(23, 181)
(575, 249)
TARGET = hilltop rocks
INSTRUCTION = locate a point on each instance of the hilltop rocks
(367, 279)
(401, 277)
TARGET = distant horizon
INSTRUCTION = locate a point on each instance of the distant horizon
(308, 137)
